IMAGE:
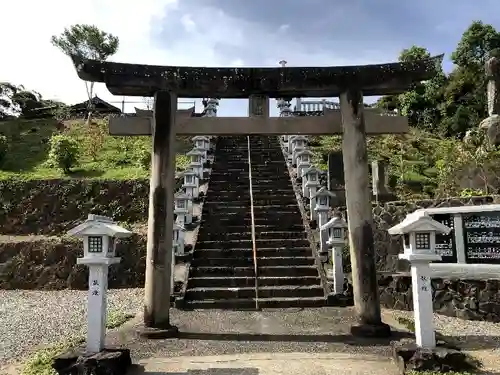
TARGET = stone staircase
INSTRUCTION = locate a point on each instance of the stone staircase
(222, 270)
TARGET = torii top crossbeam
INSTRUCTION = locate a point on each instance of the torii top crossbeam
(199, 82)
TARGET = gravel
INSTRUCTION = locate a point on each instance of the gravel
(479, 338)
(29, 319)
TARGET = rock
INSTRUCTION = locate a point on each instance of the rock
(410, 357)
(492, 126)
(380, 330)
(108, 361)
(339, 300)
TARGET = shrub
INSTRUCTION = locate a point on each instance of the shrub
(143, 158)
(4, 147)
(63, 152)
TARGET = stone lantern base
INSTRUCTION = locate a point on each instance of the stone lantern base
(107, 362)
(443, 358)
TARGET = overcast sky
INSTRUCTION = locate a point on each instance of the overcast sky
(228, 32)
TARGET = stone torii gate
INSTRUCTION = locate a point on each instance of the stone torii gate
(353, 121)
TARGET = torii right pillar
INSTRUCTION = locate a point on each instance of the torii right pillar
(360, 218)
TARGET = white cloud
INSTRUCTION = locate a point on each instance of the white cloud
(32, 61)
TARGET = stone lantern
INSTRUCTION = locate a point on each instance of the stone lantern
(311, 177)
(196, 161)
(178, 239)
(336, 229)
(419, 240)
(298, 143)
(99, 234)
(202, 143)
(419, 234)
(303, 160)
(322, 203)
(191, 183)
(295, 143)
(183, 209)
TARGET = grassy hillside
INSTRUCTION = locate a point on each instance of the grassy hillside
(100, 155)
(423, 165)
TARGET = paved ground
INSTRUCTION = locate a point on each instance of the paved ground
(269, 364)
(270, 336)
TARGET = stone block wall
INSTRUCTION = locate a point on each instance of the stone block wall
(50, 264)
(51, 207)
(466, 299)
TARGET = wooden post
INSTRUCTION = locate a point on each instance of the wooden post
(159, 254)
(360, 218)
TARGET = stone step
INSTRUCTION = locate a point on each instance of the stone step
(246, 208)
(248, 253)
(257, 201)
(228, 282)
(247, 243)
(266, 227)
(247, 303)
(256, 174)
(268, 191)
(257, 196)
(290, 271)
(211, 236)
(283, 291)
(248, 262)
(283, 222)
(233, 214)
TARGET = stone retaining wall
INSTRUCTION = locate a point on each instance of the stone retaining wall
(51, 207)
(50, 264)
(466, 299)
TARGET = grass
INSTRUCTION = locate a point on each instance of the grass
(40, 362)
(116, 318)
(408, 323)
(101, 155)
(412, 372)
(413, 158)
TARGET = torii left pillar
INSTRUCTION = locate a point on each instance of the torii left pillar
(159, 255)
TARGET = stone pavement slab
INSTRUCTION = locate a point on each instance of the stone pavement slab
(269, 364)
(221, 332)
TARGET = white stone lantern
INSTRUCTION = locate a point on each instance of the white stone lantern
(183, 208)
(311, 185)
(298, 143)
(419, 240)
(336, 229)
(191, 183)
(196, 161)
(303, 161)
(99, 234)
(322, 203)
(178, 239)
(202, 143)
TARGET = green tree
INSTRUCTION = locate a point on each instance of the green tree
(476, 42)
(421, 101)
(16, 100)
(88, 42)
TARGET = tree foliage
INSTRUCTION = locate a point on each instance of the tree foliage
(86, 41)
(18, 101)
(450, 104)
